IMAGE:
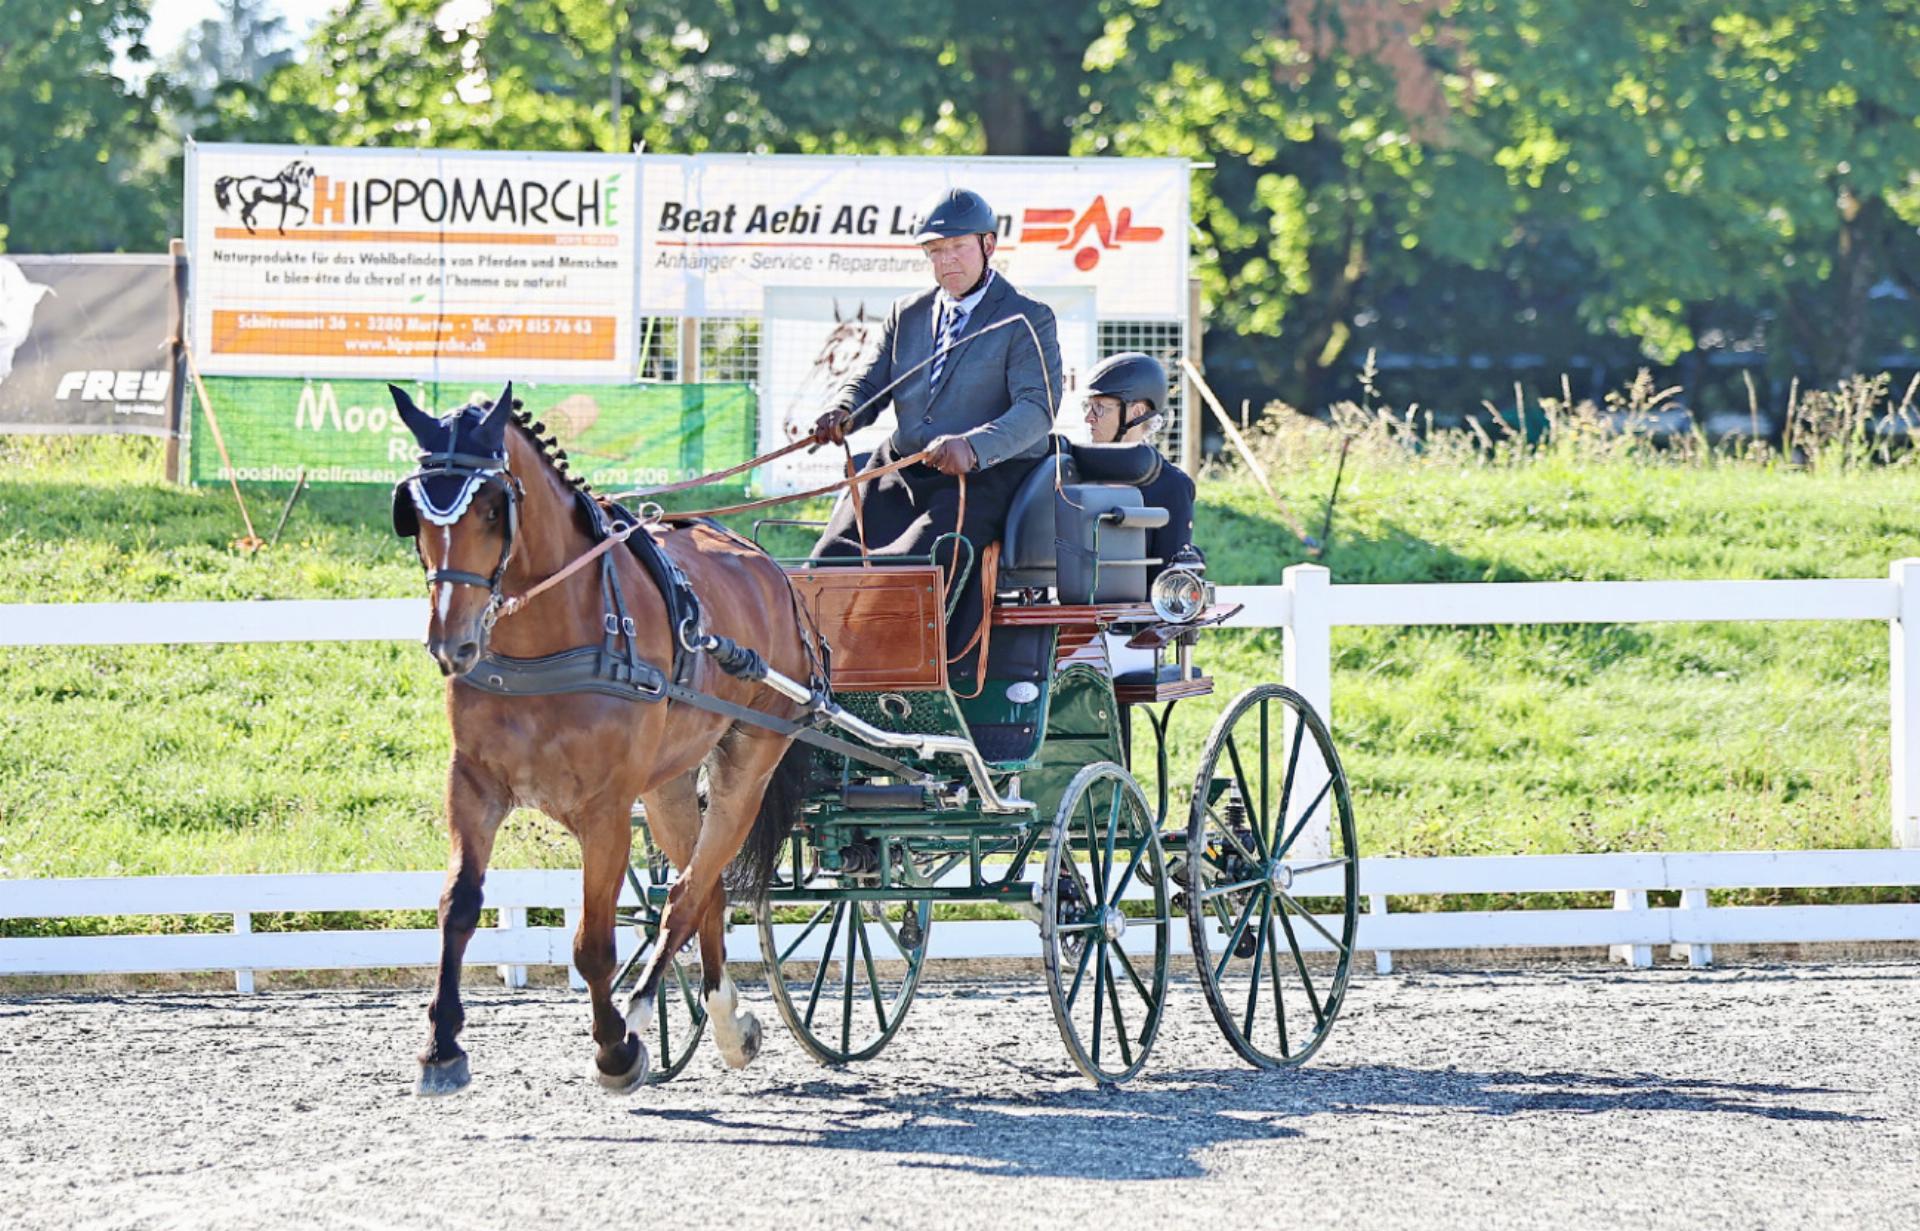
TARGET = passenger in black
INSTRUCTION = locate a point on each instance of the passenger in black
(1126, 401)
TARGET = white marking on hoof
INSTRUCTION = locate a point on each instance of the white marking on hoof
(735, 1033)
(633, 1078)
(442, 1077)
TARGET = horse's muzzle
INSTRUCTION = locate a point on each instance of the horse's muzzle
(454, 657)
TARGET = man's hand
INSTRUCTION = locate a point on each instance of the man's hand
(831, 428)
(951, 455)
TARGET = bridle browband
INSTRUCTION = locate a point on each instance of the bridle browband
(478, 471)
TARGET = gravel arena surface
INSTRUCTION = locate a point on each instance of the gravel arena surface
(1576, 1096)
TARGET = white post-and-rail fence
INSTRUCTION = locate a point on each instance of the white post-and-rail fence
(1307, 606)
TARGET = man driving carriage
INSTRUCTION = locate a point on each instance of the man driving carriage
(982, 402)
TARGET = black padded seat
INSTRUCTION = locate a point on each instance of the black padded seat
(1097, 481)
(1169, 673)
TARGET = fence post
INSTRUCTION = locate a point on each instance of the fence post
(1904, 675)
(574, 980)
(242, 926)
(1633, 955)
(1696, 955)
(1377, 909)
(1307, 668)
(512, 918)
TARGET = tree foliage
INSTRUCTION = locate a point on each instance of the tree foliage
(71, 133)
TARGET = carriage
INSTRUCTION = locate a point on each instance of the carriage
(1035, 779)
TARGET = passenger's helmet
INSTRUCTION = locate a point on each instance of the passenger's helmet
(1131, 377)
(956, 211)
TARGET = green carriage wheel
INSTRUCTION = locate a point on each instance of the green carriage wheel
(679, 1015)
(1272, 916)
(844, 974)
(1107, 1012)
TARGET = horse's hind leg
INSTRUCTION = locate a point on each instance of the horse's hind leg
(736, 1032)
(475, 807)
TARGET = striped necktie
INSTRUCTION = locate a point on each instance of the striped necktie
(956, 317)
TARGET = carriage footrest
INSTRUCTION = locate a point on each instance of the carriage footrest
(882, 796)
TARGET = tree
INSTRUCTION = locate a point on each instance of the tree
(71, 133)
(244, 45)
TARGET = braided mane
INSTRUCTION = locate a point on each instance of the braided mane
(548, 446)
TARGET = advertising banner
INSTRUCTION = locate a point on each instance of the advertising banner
(86, 344)
(346, 431)
(411, 264)
(815, 340)
(716, 231)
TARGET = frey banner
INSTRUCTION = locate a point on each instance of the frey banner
(346, 431)
(717, 230)
(86, 344)
(411, 264)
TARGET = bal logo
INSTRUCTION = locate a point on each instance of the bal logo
(288, 190)
(1065, 229)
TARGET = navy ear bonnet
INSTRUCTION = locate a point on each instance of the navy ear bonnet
(459, 454)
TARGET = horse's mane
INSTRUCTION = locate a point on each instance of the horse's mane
(547, 446)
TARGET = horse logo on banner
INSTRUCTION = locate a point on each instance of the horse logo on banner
(851, 343)
(20, 296)
(288, 190)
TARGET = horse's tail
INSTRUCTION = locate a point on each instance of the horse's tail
(220, 187)
(780, 805)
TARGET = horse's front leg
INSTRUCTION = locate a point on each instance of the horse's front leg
(475, 806)
(606, 840)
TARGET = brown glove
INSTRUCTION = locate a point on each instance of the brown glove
(951, 455)
(831, 428)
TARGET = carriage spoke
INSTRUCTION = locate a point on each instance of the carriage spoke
(1304, 818)
(1253, 987)
(1286, 783)
(806, 932)
(1113, 838)
(1300, 964)
(1246, 795)
(1207, 895)
(1079, 972)
(1279, 1001)
(855, 924)
(1303, 868)
(1099, 985)
(1233, 941)
(1133, 865)
(1126, 963)
(1093, 853)
(826, 956)
(686, 990)
(1119, 1023)
(873, 977)
(1232, 839)
(1262, 815)
(1304, 913)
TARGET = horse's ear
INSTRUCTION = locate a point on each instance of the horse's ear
(492, 432)
(837, 318)
(418, 421)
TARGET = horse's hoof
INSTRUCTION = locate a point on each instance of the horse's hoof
(633, 1078)
(750, 1040)
(438, 1077)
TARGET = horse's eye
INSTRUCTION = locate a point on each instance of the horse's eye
(493, 515)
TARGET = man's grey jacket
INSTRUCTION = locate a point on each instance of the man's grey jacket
(995, 389)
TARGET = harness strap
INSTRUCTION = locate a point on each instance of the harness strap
(822, 490)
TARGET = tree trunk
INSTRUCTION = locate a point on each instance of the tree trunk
(1007, 115)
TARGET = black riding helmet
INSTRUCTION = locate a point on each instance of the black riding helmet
(1131, 377)
(956, 211)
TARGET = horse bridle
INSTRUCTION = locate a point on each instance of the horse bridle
(485, 470)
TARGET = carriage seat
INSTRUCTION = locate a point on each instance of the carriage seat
(1078, 524)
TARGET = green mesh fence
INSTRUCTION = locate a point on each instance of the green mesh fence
(346, 431)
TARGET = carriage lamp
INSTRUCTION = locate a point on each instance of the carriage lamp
(1180, 595)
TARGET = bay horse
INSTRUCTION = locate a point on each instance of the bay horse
(493, 514)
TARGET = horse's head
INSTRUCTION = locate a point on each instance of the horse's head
(469, 503)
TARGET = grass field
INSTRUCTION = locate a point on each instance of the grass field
(1458, 741)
